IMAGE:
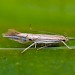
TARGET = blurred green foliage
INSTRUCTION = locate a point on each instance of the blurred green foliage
(56, 16)
(38, 13)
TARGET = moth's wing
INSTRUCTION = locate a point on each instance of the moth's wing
(47, 41)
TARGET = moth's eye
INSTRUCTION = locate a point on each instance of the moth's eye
(30, 39)
(63, 40)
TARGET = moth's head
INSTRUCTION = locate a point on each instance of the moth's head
(13, 35)
(63, 38)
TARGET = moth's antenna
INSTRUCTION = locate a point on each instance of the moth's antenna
(70, 38)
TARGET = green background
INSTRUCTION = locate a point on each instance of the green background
(53, 16)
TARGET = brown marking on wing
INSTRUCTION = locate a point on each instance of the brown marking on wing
(11, 32)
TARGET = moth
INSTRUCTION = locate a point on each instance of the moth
(35, 39)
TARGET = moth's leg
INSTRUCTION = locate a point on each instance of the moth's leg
(28, 47)
(35, 45)
(45, 44)
(42, 47)
(66, 45)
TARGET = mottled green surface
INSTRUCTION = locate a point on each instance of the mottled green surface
(54, 16)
